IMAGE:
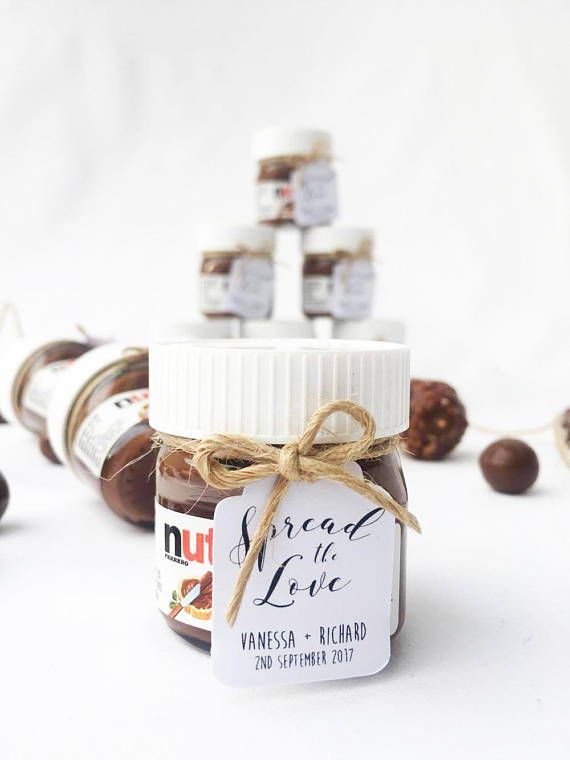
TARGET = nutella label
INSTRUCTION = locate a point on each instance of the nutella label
(314, 192)
(274, 200)
(38, 392)
(106, 424)
(317, 292)
(352, 289)
(250, 289)
(184, 566)
(246, 292)
(318, 603)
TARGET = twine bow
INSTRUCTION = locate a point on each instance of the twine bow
(301, 460)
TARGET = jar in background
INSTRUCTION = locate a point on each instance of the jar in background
(236, 274)
(31, 371)
(296, 182)
(98, 425)
(242, 396)
(370, 329)
(338, 274)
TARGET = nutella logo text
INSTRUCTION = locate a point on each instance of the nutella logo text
(186, 546)
(133, 398)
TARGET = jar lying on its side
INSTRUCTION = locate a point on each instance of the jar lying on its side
(296, 182)
(338, 276)
(186, 505)
(98, 424)
(31, 371)
(236, 274)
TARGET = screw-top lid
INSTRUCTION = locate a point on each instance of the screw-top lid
(13, 356)
(272, 328)
(273, 142)
(254, 238)
(328, 239)
(369, 329)
(73, 381)
(269, 389)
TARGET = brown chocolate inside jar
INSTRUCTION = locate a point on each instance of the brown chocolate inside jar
(49, 354)
(214, 264)
(219, 264)
(180, 489)
(126, 482)
(277, 171)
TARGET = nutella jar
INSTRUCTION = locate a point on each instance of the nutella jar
(338, 274)
(31, 371)
(236, 274)
(267, 391)
(98, 425)
(296, 182)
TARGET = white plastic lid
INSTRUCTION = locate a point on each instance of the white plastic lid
(269, 389)
(271, 328)
(327, 239)
(370, 329)
(174, 331)
(273, 142)
(70, 386)
(235, 238)
(12, 357)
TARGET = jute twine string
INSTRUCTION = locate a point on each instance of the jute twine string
(301, 460)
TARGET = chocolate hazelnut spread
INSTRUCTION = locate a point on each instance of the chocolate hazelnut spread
(99, 422)
(296, 183)
(264, 390)
(338, 276)
(236, 273)
(35, 371)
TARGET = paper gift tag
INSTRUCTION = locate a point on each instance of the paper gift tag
(250, 288)
(317, 605)
(352, 289)
(314, 191)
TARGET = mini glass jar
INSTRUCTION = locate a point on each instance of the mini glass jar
(31, 371)
(266, 390)
(98, 425)
(296, 182)
(236, 274)
(338, 275)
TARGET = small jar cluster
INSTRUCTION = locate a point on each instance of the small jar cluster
(295, 188)
(88, 407)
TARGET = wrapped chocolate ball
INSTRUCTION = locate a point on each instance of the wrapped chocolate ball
(437, 420)
(4, 494)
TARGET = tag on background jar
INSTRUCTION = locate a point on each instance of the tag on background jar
(314, 191)
(352, 289)
(317, 604)
(250, 287)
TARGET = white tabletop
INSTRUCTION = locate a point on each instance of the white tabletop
(481, 669)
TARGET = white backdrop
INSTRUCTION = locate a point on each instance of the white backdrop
(125, 124)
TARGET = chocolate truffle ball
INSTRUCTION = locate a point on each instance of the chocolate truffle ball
(4, 494)
(509, 465)
(437, 420)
